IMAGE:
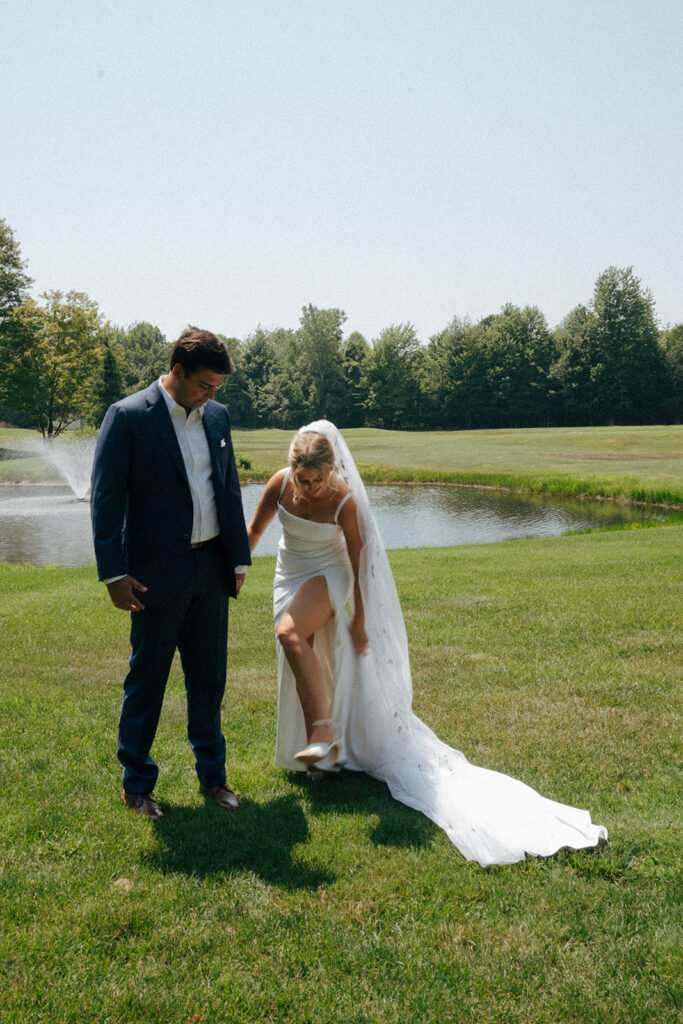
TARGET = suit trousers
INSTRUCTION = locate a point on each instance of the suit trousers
(195, 622)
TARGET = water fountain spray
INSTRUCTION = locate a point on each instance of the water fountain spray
(72, 459)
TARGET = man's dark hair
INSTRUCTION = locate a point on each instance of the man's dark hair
(201, 350)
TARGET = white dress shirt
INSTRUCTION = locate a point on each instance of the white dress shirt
(194, 449)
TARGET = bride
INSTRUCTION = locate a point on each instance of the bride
(345, 689)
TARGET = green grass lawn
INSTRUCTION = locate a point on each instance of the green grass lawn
(627, 463)
(556, 660)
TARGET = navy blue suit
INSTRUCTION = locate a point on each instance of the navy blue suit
(142, 514)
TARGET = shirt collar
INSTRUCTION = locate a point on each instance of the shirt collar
(172, 405)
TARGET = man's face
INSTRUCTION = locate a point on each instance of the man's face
(193, 391)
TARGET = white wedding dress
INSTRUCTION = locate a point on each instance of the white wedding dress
(490, 817)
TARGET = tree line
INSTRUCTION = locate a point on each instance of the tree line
(607, 362)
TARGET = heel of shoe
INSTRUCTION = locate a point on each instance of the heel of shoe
(329, 761)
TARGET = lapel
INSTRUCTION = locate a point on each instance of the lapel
(164, 428)
(213, 431)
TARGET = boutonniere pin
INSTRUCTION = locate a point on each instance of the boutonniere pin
(223, 442)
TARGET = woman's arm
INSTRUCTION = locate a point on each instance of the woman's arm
(348, 520)
(266, 509)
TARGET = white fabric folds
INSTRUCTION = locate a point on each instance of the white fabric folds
(491, 818)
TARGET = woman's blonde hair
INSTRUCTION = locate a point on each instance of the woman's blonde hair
(310, 451)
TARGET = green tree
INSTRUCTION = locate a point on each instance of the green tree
(109, 386)
(518, 355)
(354, 364)
(293, 382)
(457, 387)
(608, 365)
(233, 392)
(259, 363)
(51, 358)
(391, 399)
(14, 281)
(629, 385)
(277, 383)
(14, 285)
(575, 367)
(319, 342)
(671, 348)
(145, 355)
(424, 412)
(273, 403)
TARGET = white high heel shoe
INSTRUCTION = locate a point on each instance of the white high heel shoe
(322, 755)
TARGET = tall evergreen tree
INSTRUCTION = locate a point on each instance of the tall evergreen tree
(259, 363)
(109, 386)
(319, 340)
(354, 364)
(234, 391)
(631, 374)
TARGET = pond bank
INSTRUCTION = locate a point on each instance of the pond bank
(615, 489)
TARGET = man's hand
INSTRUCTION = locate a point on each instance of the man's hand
(122, 596)
(239, 580)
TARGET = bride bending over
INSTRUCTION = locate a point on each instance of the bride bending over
(345, 689)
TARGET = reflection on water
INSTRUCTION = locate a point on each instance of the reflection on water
(443, 516)
(47, 525)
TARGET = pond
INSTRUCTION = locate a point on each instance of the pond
(46, 525)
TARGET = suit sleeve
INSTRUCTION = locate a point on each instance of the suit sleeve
(109, 493)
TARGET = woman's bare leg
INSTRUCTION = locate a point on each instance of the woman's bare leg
(309, 611)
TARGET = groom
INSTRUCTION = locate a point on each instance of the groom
(171, 546)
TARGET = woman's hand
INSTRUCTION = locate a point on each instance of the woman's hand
(359, 638)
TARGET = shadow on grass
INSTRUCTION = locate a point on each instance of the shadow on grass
(356, 793)
(203, 841)
(259, 839)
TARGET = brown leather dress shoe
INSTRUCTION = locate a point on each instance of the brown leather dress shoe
(222, 796)
(143, 804)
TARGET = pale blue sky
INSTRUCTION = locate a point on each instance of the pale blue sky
(225, 163)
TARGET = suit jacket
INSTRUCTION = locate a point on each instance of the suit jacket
(141, 502)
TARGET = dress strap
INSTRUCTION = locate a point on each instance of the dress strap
(340, 506)
(284, 484)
